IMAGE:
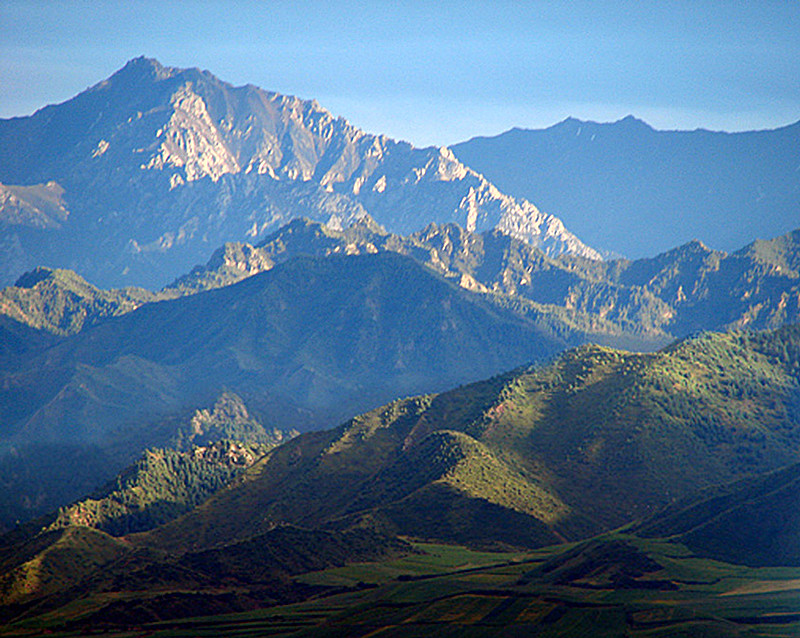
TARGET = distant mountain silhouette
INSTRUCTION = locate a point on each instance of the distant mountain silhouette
(628, 188)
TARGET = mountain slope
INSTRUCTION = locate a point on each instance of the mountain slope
(188, 456)
(590, 442)
(307, 343)
(62, 302)
(686, 289)
(754, 522)
(206, 452)
(323, 333)
(78, 564)
(532, 457)
(628, 188)
(156, 165)
(636, 304)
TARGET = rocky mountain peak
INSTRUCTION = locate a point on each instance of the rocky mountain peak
(164, 164)
(143, 68)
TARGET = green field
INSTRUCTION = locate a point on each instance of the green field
(453, 591)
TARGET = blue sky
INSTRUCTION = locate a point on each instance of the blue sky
(434, 72)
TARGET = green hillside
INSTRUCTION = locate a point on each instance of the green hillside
(62, 302)
(592, 441)
(200, 453)
(96, 581)
(755, 521)
(216, 445)
(306, 344)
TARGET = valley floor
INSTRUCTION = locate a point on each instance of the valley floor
(612, 586)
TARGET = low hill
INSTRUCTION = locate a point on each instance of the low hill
(754, 522)
(201, 452)
(44, 575)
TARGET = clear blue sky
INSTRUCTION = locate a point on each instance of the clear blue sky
(434, 72)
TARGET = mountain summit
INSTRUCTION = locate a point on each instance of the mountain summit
(154, 167)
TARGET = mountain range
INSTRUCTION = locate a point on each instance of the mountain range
(139, 177)
(594, 440)
(639, 303)
(305, 344)
(249, 320)
(627, 188)
(363, 386)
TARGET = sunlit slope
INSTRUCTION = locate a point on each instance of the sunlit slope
(592, 441)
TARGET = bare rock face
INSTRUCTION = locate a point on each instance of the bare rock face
(37, 206)
(143, 175)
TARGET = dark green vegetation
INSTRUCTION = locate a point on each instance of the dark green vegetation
(160, 486)
(91, 579)
(201, 452)
(117, 384)
(628, 188)
(206, 454)
(63, 303)
(694, 448)
(755, 521)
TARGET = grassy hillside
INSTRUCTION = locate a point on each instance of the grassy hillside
(532, 458)
(81, 578)
(754, 522)
(63, 303)
(592, 441)
(306, 344)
